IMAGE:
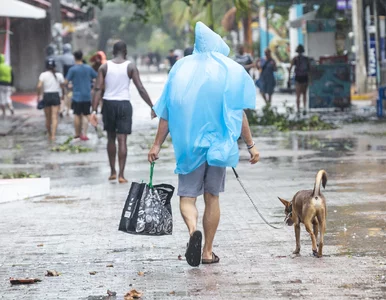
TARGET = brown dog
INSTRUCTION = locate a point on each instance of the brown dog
(309, 207)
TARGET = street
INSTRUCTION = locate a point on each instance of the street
(74, 230)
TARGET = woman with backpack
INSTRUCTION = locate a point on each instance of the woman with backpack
(302, 70)
(50, 89)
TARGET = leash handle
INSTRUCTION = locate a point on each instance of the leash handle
(151, 174)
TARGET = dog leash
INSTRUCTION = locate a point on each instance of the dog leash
(254, 205)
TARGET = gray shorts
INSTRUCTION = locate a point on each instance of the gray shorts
(205, 179)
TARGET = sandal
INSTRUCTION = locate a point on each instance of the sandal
(193, 252)
(214, 260)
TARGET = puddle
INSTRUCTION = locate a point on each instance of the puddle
(312, 142)
(60, 199)
(357, 229)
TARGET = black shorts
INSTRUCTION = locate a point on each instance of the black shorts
(117, 116)
(81, 108)
(51, 99)
(301, 79)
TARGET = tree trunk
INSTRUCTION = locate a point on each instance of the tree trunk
(247, 25)
(209, 11)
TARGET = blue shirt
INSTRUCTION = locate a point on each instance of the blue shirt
(81, 77)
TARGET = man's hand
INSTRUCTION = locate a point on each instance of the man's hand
(94, 120)
(255, 155)
(153, 114)
(153, 153)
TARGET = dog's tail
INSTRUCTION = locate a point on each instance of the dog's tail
(321, 178)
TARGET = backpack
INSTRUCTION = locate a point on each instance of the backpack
(302, 66)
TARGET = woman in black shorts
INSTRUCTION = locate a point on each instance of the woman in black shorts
(302, 70)
(51, 89)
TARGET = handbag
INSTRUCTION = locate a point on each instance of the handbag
(147, 210)
(41, 104)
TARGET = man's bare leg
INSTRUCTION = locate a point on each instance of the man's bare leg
(77, 125)
(112, 153)
(85, 120)
(189, 213)
(122, 155)
(210, 222)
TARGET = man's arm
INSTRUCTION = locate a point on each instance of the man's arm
(133, 73)
(162, 133)
(247, 137)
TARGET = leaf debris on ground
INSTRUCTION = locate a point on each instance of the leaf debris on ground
(18, 175)
(111, 293)
(92, 272)
(23, 280)
(67, 146)
(52, 273)
(133, 294)
(141, 273)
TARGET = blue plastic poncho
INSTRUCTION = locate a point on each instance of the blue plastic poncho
(203, 102)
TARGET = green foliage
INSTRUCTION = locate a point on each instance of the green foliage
(283, 122)
(67, 146)
(144, 9)
(160, 42)
(18, 175)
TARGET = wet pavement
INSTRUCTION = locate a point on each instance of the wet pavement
(74, 229)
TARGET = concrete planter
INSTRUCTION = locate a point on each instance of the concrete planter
(18, 189)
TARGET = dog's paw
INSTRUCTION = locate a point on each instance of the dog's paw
(315, 253)
(297, 251)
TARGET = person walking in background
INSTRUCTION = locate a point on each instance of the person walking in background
(50, 87)
(97, 60)
(302, 71)
(200, 87)
(81, 77)
(244, 59)
(267, 82)
(6, 85)
(66, 60)
(115, 78)
(172, 59)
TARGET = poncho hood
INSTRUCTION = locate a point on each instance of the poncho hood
(208, 41)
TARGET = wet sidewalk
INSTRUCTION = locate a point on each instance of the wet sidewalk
(74, 230)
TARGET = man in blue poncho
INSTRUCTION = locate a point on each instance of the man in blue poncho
(202, 108)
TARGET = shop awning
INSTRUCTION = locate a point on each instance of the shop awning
(18, 9)
(306, 17)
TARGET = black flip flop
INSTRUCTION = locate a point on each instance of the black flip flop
(193, 252)
(214, 260)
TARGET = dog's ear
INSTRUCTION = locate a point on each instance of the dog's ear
(285, 202)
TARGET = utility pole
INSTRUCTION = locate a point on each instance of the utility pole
(360, 66)
(56, 25)
(56, 15)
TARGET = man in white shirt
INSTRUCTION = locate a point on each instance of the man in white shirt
(114, 77)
